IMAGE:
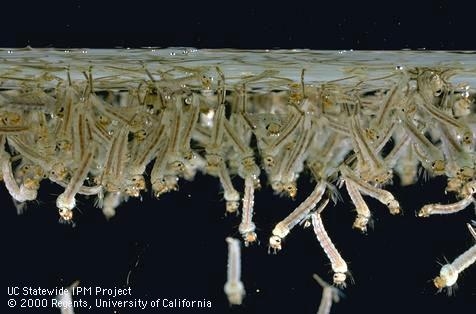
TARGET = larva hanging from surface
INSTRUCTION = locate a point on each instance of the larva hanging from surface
(338, 264)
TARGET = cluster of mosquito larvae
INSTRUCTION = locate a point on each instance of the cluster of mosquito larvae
(104, 136)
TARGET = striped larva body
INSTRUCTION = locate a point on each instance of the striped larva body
(339, 266)
(247, 227)
(383, 196)
(363, 211)
(443, 209)
(283, 228)
(371, 165)
(215, 160)
(20, 193)
(66, 200)
(429, 155)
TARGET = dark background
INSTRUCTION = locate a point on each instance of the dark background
(178, 241)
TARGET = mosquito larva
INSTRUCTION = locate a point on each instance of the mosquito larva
(19, 193)
(289, 128)
(66, 111)
(115, 161)
(443, 209)
(392, 100)
(80, 136)
(363, 211)
(66, 200)
(339, 266)
(247, 166)
(430, 152)
(231, 195)
(176, 125)
(293, 165)
(28, 151)
(330, 294)
(371, 165)
(445, 119)
(383, 196)
(158, 170)
(282, 229)
(234, 288)
(449, 272)
(147, 151)
(247, 226)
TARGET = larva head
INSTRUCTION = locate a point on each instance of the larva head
(63, 146)
(177, 166)
(372, 134)
(11, 118)
(248, 167)
(131, 191)
(394, 207)
(290, 189)
(468, 188)
(138, 182)
(438, 167)
(382, 177)
(171, 182)
(268, 162)
(462, 107)
(103, 120)
(436, 84)
(31, 183)
(66, 214)
(159, 187)
(430, 83)
(277, 186)
(467, 139)
(275, 243)
(273, 129)
(140, 135)
(425, 211)
(339, 279)
(58, 172)
(465, 173)
(250, 237)
(448, 277)
(213, 164)
(360, 223)
(454, 185)
(232, 206)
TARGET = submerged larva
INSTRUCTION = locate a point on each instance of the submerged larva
(234, 288)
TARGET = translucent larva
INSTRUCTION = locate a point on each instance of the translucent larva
(234, 288)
